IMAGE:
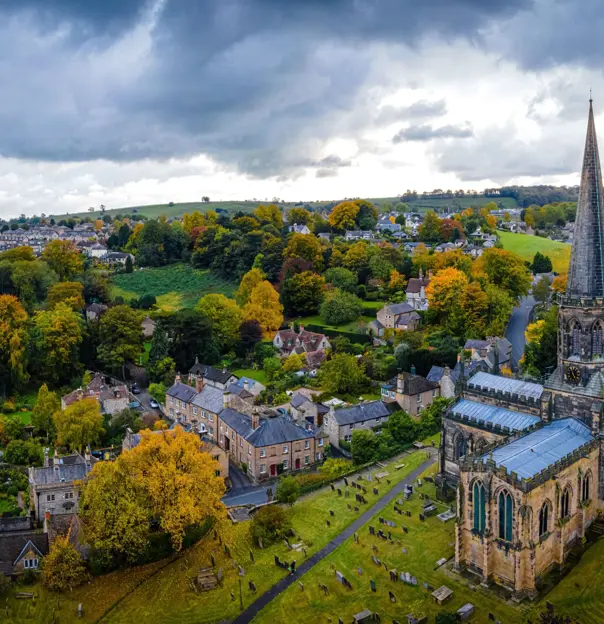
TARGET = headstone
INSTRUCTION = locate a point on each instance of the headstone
(241, 571)
(260, 545)
(339, 492)
(304, 551)
(220, 575)
(464, 613)
(340, 577)
(375, 560)
(356, 508)
(80, 610)
(345, 481)
(289, 546)
(233, 595)
(408, 578)
(441, 562)
(293, 566)
(346, 493)
(549, 606)
(399, 501)
(413, 581)
(356, 538)
(212, 561)
(373, 586)
(333, 487)
(491, 617)
(421, 517)
(277, 562)
(359, 571)
(391, 596)
(301, 585)
(376, 491)
(364, 490)
(251, 556)
(328, 523)
(252, 586)
(374, 548)
(348, 505)
(404, 551)
(331, 513)
(405, 529)
(389, 535)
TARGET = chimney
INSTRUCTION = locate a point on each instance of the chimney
(246, 385)
(177, 378)
(447, 372)
(199, 384)
(224, 370)
(255, 419)
(421, 273)
(46, 461)
(301, 329)
(226, 399)
(400, 381)
(87, 456)
(55, 461)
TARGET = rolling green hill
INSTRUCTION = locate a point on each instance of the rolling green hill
(527, 246)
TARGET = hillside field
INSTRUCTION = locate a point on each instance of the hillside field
(175, 286)
(527, 246)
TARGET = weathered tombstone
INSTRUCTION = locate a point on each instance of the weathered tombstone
(340, 577)
(399, 501)
(347, 493)
(376, 491)
(277, 562)
(375, 560)
(549, 606)
(212, 560)
(356, 537)
(80, 610)
(260, 544)
(289, 546)
(385, 566)
(331, 513)
(374, 548)
(233, 595)
(339, 492)
(389, 535)
(404, 551)
(333, 487)
(356, 508)
(373, 586)
(413, 581)
(359, 571)
(328, 523)
(393, 575)
(349, 507)
(491, 617)
(421, 517)
(405, 529)
(391, 596)
(252, 586)
(293, 566)
(301, 585)
(241, 571)
(304, 551)
(346, 481)
(220, 575)
(364, 490)
(251, 556)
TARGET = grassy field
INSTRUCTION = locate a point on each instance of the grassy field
(252, 373)
(527, 246)
(357, 326)
(175, 286)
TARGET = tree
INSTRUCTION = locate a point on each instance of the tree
(541, 291)
(306, 247)
(288, 491)
(250, 333)
(128, 267)
(226, 317)
(31, 281)
(18, 253)
(42, 414)
(429, 230)
(541, 348)
(79, 424)
(190, 335)
(63, 567)
(121, 336)
(451, 230)
(158, 391)
(24, 453)
(301, 293)
(334, 467)
(69, 293)
(341, 278)
(56, 336)
(340, 307)
(271, 367)
(265, 308)
(269, 214)
(541, 263)
(367, 216)
(559, 284)
(400, 219)
(474, 308)
(444, 295)
(505, 269)
(343, 216)
(248, 282)
(364, 446)
(402, 427)
(269, 524)
(343, 373)
(64, 258)
(13, 336)
(294, 363)
(447, 617)
(299, 216)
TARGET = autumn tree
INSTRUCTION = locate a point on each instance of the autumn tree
(64, 258)
(429, 230)
(559, 284)
(422, 259)
(269, 214)
(453, 258)
(293, 363)
(305, 246)
(301, 293)
(541, 349)
(343, 216)
(264, 307)
(299, 216)
(18, 253)
(120, 336)
(450, 230)
(226, 317)
(474, 308)
(248, 282)
(42, 414)
(444, 295)
(13, 341)
(63, 568)
(79, 424)
(506, 270)
(343, 373)
(357, 257)
(69, 293)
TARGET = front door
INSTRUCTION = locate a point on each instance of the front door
(273, 470)
(298, 463)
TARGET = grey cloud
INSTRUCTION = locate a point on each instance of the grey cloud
(326, 173)
(333, 161)
(420, 110)
(427, 133)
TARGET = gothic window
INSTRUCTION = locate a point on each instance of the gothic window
(565, 503)
(575, 347)
(479, 500)
(506, 509)
(543, 519)
(480, 444)
(585, 487)
(460, 446)
(596, 341)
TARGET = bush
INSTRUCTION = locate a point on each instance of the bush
(270, 524)
(288, 491)
(333, 468)
(147, 301)
(8, 407)
(340, 307)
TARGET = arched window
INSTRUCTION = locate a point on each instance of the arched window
(506, 507)
(586, 487)
(460, 446)
(480, 444)
(565, 503)
(596, 341)
(479, 500)
(575, 347)
(543, 519)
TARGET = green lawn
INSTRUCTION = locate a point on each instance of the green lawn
(175, 286)
(257, 375)
(527, 246)
(358, 326)
(7, 504)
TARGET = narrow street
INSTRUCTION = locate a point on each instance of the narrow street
(515, 329)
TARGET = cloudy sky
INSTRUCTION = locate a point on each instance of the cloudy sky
(129, 102)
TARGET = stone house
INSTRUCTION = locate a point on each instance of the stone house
(112, 399)
(210, 376)
(52, 487)
(116, 257)
(304, 410)
(22, 551)
(269, 445)
(339, 424)
(179, 399)
(495, 352)
(411, 392)
(311, 345)
(245, 386)
(446, 379)
(299, 228)
(397, 316)
(94, 311)
(416, 292)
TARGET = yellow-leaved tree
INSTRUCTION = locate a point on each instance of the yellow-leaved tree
(248, 282)
(264, 306)
(79, 425)
(269, 214)
(343, 216)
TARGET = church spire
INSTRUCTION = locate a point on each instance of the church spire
(586, 274)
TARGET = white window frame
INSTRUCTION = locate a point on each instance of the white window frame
(249, 449)
(285, 464)
(307, 460)
(320, 441)
(210, 416)
(262, 468)
(195, 411)
(262, 452)
(285, 449)
(419, 399)
(306, 445)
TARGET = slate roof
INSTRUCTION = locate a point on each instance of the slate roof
(538, 450)
(241, 423)
(516, 421)
(399, 308)
(277, 430)
(210, 399)
(362, 412)
(209, 372)
(298, 399)
(239, 391)
(65, 473)
(506, 384)
(12, 546)
(436, 374)
(414, 384)
(476, 344)
(253, 386)
(182, 392)
(415, 284)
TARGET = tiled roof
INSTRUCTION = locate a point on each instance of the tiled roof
(13, 545)
(505, 384)
(210, 399)
(182, 392)
(277, 430)
(211, 373)
(414, 384)
(415, 284)
(516, 421)
(241, 423)
(362, 412)
(62, 474)
(436, 374)
(399, 308)
(476, 344)
(538, 450)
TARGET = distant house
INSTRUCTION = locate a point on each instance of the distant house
(116, 257)
(398, 316)
(299, 228)
(416, 292)
(412, 392)
(359, 235)
(22, 551)
(246, 385)
(385, 224)
(94, 311)
(324, 236)
(310, 344)
(445, 378)
(148, 327)
(217, 377)
(495, 352)
(304, 410)
(112, 399)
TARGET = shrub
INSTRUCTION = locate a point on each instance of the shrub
(333, 468)
(288, 490)
(270, 524)
(8, 407)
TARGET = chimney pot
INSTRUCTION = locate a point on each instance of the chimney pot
(177, 378)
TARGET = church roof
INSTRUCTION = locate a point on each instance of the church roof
(538, 450)
(495, 383)
(491, 414)
(586, 273)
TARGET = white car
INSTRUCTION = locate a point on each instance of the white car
(153, 403)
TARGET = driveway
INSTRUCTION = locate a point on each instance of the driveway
(519, 319)
(243, 491)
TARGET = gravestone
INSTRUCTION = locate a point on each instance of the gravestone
(345, 481)
(491, 617)
(376, 491)
(393, 575)
(404, 551)
(374, 548)
(389, 535)
(241, 571)
(373, 585)
(301, 585)
(232, 596)
(421, 517)
(349, 507)
(464, 613)
(251, 556)
(441, 562)
(331, 513)
(289, 546)
(213, 561)
(328, 523)
(252, 586)
(375, 560)
(399, 501)
(304, 551)
(356, 508)
(339, 492)
(405, 529)
(293, 566)
(220, 575)
(391, 596)
(359, 571)
(347, 493)
(260, 544)
(385, 566)
(413, 581)
(356, 538)
(277, 562)
(333, 487)
(340, 577)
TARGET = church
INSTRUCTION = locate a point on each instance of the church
(527, 458)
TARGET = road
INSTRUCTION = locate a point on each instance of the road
(515, 330)
(243, 492)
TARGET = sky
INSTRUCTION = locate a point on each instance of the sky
(133, 102)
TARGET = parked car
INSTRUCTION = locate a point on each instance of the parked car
(135, 404)
(153, 403)
(135, 389)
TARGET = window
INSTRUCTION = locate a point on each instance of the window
(479, 500)
(232, 435)
(460, 446)
(262, 468)
(241, 442)
(596, 341)
(433, 393)
(352, 426)
(320, 441)
(306, 460)
(249, 449)
(306, 445)
(543, 520)
(285, 449)
(326, 419)
(576, 340)
(210, 417)
(285, 464)
(565, 503)
(318, 456)
(195, 411)
(50, 497)
(419, 398)
(68, 495)
(262, 452)
(217, 473)
(506, 507)
(348, 438)
(585, 487)
(211, 430)
(171, 399)
(30, 563)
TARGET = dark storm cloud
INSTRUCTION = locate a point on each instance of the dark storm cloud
(428, 133)
(252, 83)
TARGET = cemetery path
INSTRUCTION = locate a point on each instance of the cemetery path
(248, 614)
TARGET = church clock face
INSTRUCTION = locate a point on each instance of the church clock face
(573, 374)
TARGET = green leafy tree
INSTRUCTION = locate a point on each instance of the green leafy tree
(364, 446)
(429, 230)
(343, 373)
(79, 425)
(64, 258)
(367, 215)
(340, 307)
(41, 416)
(158, 391)
(121, 336)
(335, 466)
(269, 524)
(128, 267)
(191, 335)
(63, 568)
(69, 293)
(542, 290)
(226, 318)
(341, 278)
(271, 367)
(301, 293)
(32, 281)
(541, 263)
(506, 270)
(288, 491)
(24, 453)
(402, 427)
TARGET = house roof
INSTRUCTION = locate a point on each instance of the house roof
(416, 283)
(414, 384)
(532, 453)
(362, 412)
(14, 545)
(210, 399)
(241, 423)
(298, 399)
(491, 414)
(239, 391)
(405, 318)
(399, 308)
(437, 372)
(476, 344)
(182, 392)
(277, 430)
(253, 387)
(495, 383)
(96, 308)
(209, 372)
(63, 473)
